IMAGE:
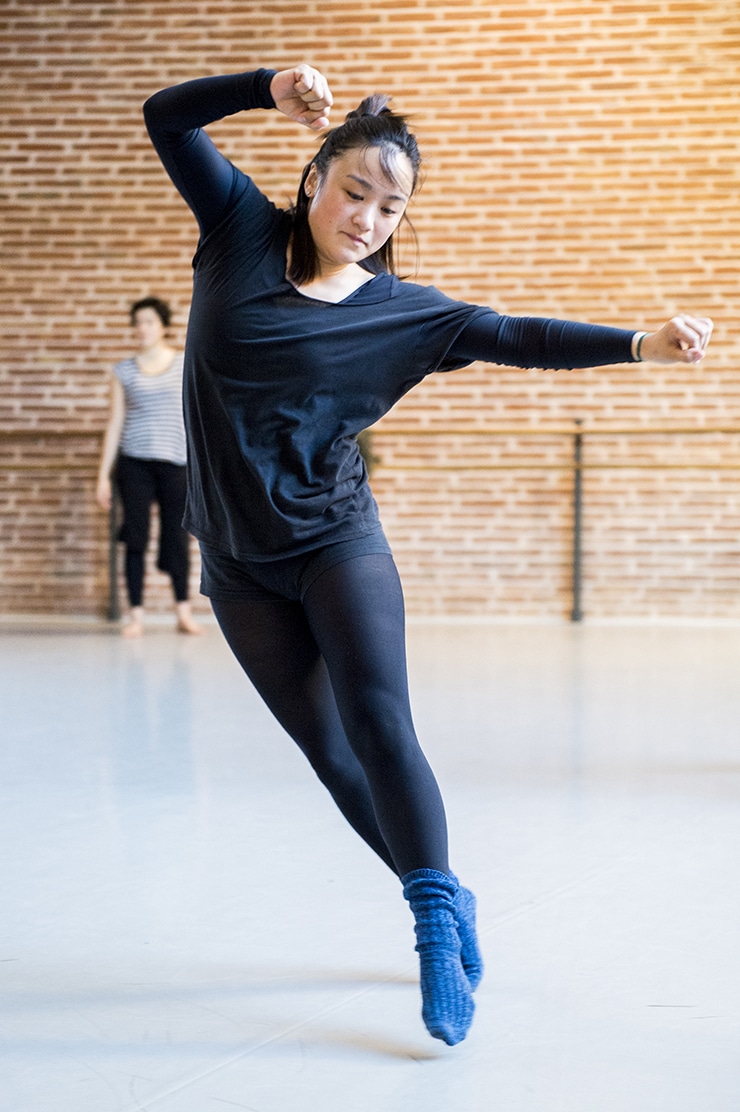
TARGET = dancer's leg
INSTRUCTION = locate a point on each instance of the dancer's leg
(275, 647)
(356, 613)
(273, 644)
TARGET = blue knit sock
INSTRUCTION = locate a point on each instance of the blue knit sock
(447, 1003)
(470, 954)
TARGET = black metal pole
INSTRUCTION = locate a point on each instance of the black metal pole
(576, 613)
(114, 609)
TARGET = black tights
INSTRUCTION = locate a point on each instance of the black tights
(332, 669)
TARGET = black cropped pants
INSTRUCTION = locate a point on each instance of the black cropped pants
(141, 483)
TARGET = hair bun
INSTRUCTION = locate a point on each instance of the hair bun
(374, 105)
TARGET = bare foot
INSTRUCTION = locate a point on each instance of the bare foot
(185, 620)
(188, 626)
(131, 629)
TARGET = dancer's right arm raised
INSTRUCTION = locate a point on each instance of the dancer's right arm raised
(175, 118)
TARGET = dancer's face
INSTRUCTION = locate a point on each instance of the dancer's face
(355, 207)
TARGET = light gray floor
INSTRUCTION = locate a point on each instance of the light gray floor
(188, 926)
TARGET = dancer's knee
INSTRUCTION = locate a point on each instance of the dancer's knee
(384, 734)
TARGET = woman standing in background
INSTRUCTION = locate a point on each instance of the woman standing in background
(144, 448)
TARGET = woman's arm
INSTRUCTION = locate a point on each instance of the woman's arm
(561, 345)
(175, 118)
(111, 440)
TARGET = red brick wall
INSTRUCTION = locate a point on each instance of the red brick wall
(581, 162)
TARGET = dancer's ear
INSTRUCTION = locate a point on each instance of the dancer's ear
(311, 183)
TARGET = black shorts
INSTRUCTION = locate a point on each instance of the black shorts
(225, 578)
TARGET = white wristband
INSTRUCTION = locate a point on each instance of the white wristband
(637, 346)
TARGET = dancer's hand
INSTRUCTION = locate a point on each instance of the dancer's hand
(683, 339)
(302, 94)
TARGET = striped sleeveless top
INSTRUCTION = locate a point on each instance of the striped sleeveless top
(153, 425)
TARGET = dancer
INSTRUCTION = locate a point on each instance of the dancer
(300, 336)
(144, 443)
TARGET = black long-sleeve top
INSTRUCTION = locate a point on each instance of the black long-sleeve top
(278, 384)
